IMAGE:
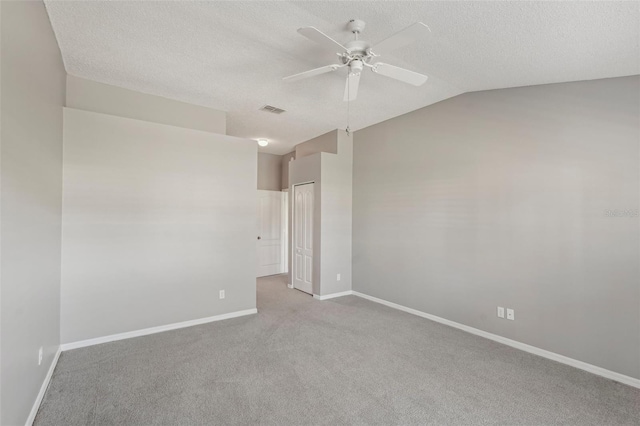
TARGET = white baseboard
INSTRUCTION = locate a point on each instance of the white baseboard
(43, 389)
(332, 295)
(627, 380)
(290, 285)
(153, 330)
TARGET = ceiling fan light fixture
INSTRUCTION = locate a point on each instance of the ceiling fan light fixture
(263, 142)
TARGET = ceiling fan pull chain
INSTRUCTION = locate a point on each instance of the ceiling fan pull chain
(348, 129)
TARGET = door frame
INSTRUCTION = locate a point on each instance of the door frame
(285, 231)
(292, 215)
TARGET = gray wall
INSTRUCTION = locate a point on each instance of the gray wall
(157, 219)
(33, 91)
(332, 215)
(269, 171)
(323, 143)
(98, 97)
(498, 198)
(336, 212)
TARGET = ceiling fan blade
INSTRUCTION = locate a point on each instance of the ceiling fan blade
(351, 87)
(401, 74)
(401, 38)
(311, 73)
(322, 39)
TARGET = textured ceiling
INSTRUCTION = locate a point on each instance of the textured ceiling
(233, 55)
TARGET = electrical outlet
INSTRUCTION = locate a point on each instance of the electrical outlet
(511, 315)
(40, 356)
(221, 294)
(500, 312)
(338, 277)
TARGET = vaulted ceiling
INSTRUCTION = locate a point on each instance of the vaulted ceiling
(232, 55)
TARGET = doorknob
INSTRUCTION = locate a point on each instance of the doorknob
(259, 238)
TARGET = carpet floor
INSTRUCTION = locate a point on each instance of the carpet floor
(341, 361)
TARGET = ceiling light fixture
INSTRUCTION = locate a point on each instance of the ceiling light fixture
(263, 142)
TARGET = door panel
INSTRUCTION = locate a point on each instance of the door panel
(303, 237)
(298, 269)
(270, 227)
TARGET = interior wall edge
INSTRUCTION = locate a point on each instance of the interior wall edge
(33, 93)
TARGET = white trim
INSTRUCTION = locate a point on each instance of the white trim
(290, 285)
(627, 380)
(332, 295)
(153, 330)
(43, 389)
(284, 232)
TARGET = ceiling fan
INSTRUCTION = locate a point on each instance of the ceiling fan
(358, 54)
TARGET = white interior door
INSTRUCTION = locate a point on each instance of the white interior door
(303, 237)
(270, 233)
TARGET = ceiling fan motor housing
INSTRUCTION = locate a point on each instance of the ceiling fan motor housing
(357, 47)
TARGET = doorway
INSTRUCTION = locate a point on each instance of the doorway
(272, 230)
(302, 259)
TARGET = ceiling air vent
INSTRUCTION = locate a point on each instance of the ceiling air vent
(272, 109)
